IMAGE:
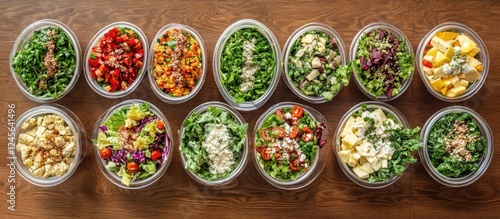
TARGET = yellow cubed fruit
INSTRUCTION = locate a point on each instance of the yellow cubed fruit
(449, 53)
(447, 35)
(440, 44)
(455, 80)
(444, 90)
(456, 91)
(429, 58)
(466, 44)
(439, 59)
(437, 84)
(479, 67)
(432, 51)
(474, 52)
(438, 72)
(472, 76)
(447, 83)
(464, 83)
(471, 61)
(428, 71)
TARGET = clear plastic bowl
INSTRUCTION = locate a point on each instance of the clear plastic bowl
(160, 93)
(483, 163)
(78, 131)
(288, 46)
(23, 39)
(273, 42)
(483, 57)
(354, 48)
(113, 177)
(243, 160)
(93, 42)
(320, 159)
(337, 142)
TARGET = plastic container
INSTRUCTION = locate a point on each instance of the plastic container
(273, 42)
(23, 39)
(483, 58)
(218, 182)
(161, 94)
(484, 162)
(77, 130)
(337, 142)
(287, 49)
(112, 176)
(320, 158)
(93, 42)
(354, 48)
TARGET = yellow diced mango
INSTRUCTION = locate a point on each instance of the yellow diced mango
(447, 35)
(466, 44)
(447, 83)
(444, 90)
(449, 53)
(439, 59)
(432, 51)
(479, 67)
(456, 91)
(474, 52)
(437, 84)
(471, 61)
(464, 83)
(440, 44)
(472, 76)
(455, 80)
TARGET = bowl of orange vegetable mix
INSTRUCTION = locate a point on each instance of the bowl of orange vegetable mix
(177, 66)
(453, 62)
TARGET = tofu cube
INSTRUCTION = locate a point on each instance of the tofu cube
(350, 140)
(360, 173)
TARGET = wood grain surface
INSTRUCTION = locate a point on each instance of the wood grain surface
(88, 194)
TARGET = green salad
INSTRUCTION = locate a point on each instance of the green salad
(247, 65)
(133, 143)
(382, 63)
(314, 65)
(46, 63)
(288, 142)
(376, 146)
(456, 145)
(212, 143)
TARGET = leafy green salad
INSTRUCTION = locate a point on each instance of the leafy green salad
(247, 65)
(46, 63)
(383, 62)
(212, 143)
(315, 65)
(287, 143)
(133, 142)
(456, 145)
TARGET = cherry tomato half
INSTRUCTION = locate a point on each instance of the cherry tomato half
(132, 166)
(160, 125)
(265, 154)
(155, 155)
(105, 153)
(297, 112)
(295, 131)
(279, 132)
(265, 134)
(307, 134)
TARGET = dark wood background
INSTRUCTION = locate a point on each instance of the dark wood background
(416, 195)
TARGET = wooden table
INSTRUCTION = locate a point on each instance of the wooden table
(89, 194)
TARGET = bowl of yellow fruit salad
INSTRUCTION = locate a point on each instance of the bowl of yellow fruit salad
(452, 61)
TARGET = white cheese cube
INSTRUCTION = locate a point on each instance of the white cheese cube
(350, 140)
(367, 167)
(360, 173)
(344, 155)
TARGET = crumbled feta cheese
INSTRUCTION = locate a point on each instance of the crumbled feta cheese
(217, 146)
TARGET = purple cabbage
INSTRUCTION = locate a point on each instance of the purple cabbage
(145, 121)
(119, 156)
(103, 129)
(139, 156)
